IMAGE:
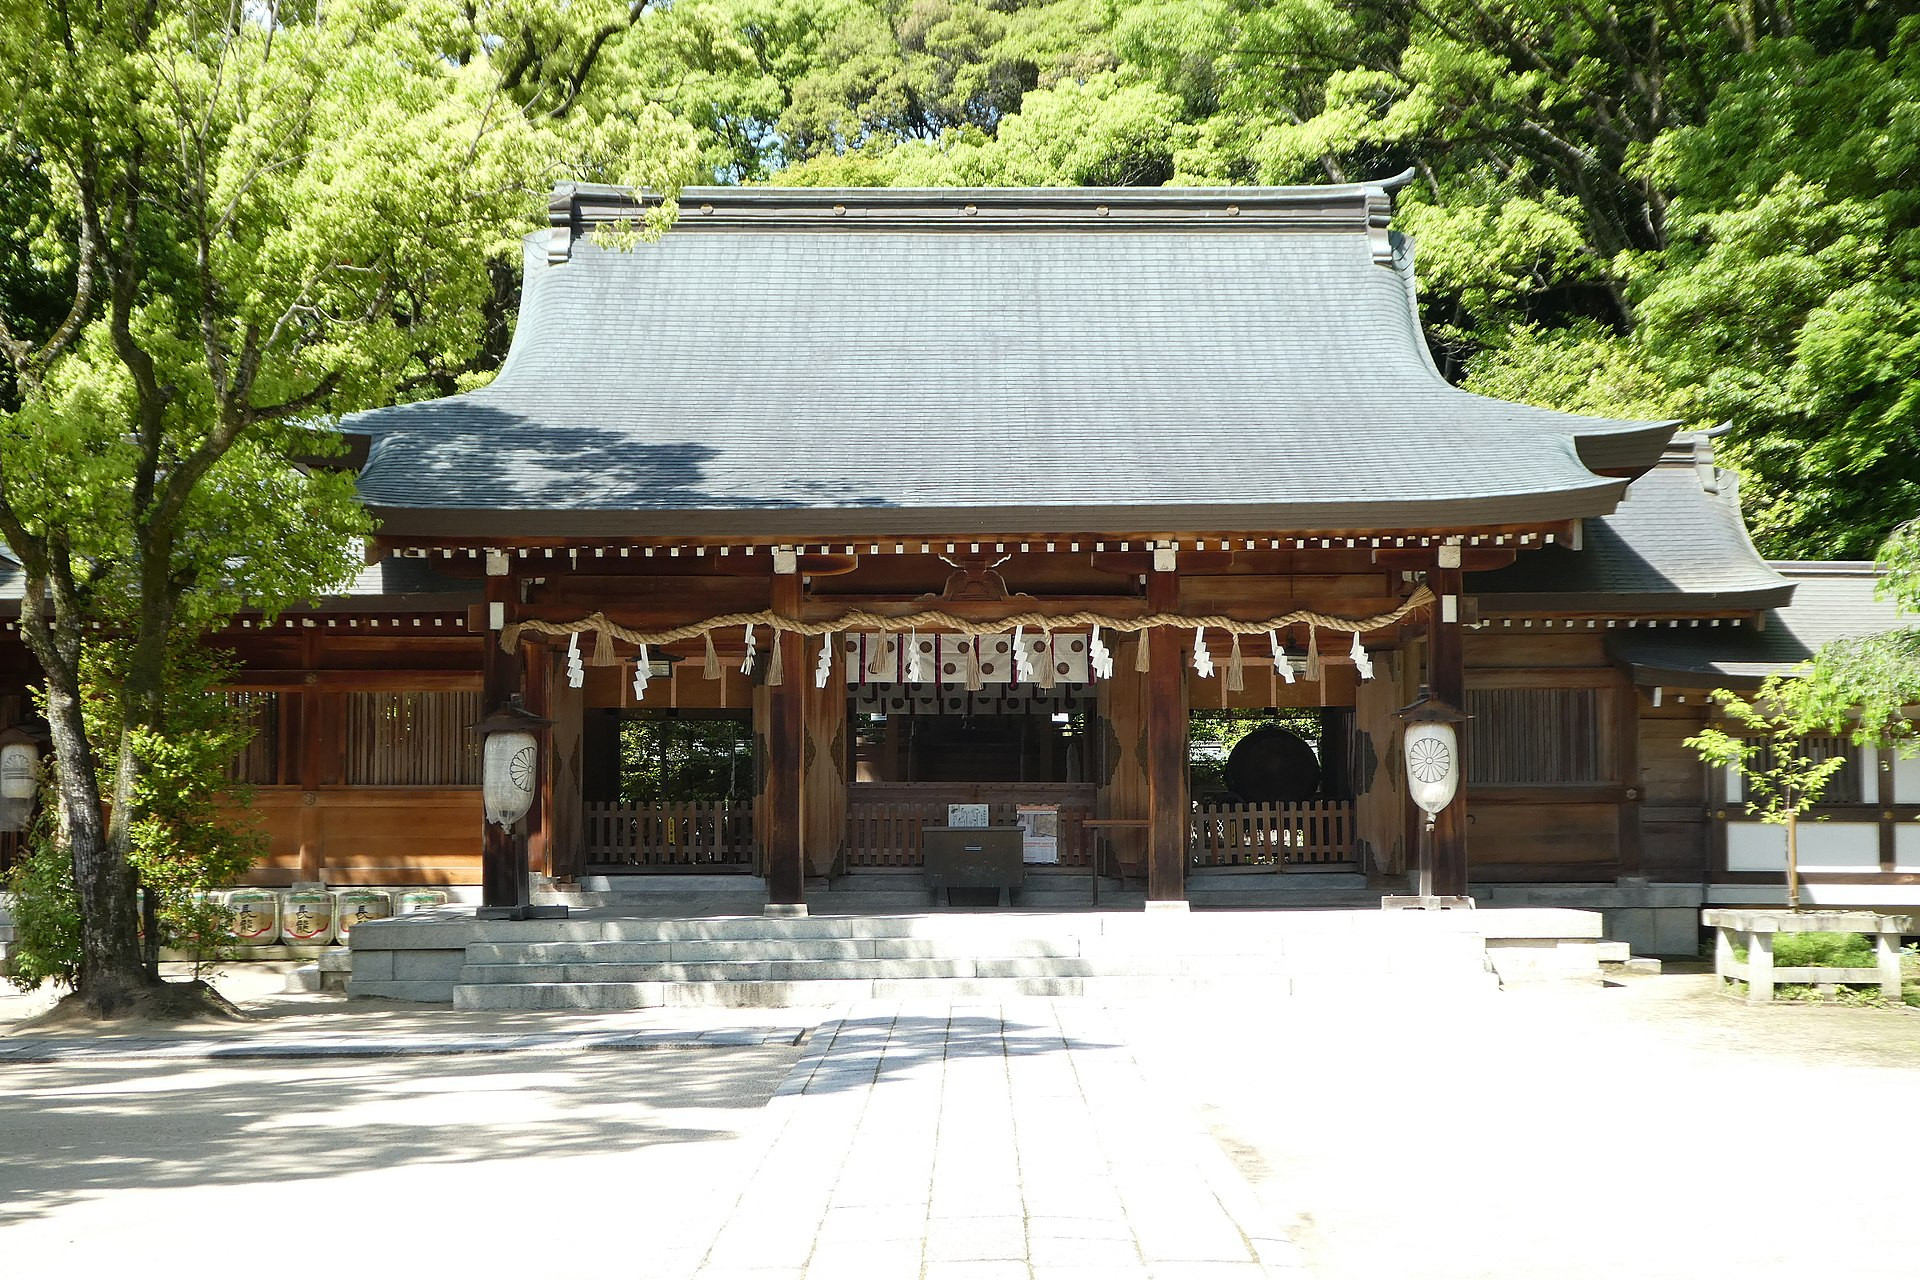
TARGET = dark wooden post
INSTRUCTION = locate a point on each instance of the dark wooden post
(1447, 680)
(1166, 748)
(782, 839)
(536, 694)
(503, 854)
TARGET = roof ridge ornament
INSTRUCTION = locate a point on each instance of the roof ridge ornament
(1380, 216)
(576, 208)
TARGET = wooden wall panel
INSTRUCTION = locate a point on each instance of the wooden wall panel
(1544, 841)
(367, 835)
(1486, 649)
(1380, 787)
(683, 687)
(1265, 689)
(1253, 596)
(1539, 736)
(411, 739)
(1676, 835)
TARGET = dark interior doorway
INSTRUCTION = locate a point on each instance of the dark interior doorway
(1271, 754)
(667, 756)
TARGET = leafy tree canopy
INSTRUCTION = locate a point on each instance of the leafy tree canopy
(226, 222)
(1698, 209)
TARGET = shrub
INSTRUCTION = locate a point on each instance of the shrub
(46, 916)
(1818, 951)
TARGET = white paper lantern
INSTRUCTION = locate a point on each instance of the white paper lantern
(509, 761)
(1433, 764)
(19, 770)
(509, 772)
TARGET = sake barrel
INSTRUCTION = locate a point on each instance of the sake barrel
(357, 906)
(306, 918)
(408, 901)
(254, 916)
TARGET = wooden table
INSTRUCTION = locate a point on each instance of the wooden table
(1098, 825)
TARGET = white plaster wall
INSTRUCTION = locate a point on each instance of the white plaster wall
(1906, 779)
(1756, 846)
(1906, 846)
(1816, 895)
(1824, 846)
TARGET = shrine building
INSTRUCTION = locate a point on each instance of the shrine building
(833, 509)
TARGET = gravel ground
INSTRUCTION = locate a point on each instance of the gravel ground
(1647, 1129)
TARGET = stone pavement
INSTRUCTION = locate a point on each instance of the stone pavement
(397, 1045)
(981, 1142)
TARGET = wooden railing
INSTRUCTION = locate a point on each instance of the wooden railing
(1269, 835)
(884, 819)
(714, 835)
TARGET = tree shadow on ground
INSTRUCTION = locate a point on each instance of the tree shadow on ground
(79, 1130)
(872, 1049)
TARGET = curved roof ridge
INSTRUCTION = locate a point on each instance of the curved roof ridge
(826, 370)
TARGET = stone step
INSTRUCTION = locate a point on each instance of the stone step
(1203, 930)
(768, 964)
(647, 995)
(700, 951)
(1307, 951)
(898, 970)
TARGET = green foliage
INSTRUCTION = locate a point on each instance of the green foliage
(1819, 950)
(184, 843)
(228, 225)
(46, 915)
(1714, 209)
(674, 759)
(1866, 687)
(1768, 747)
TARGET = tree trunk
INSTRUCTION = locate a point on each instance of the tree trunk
(142, 708)
(1793, 860)
(111, 972)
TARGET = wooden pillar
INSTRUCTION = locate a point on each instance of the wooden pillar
(565, 816)
(536, 685)
(1166, 748)
(782, 837)
(1447, 680)
(824, 786)
(503, 854)
(1379, 785)
(1125, 793)
(307, 721)
(1625, 700)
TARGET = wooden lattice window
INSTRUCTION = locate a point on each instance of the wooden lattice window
(1842, 788)
(412, 739)
(1521, 737)
(259, 763)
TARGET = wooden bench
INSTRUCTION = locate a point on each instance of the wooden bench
(972, 858)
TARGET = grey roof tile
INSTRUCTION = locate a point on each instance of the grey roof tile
(1831, 601)
(1672, 544)
(760, 379)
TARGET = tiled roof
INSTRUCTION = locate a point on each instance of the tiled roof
(1831, 601)
(1677, 542)
(395, 582)
(1241, 359)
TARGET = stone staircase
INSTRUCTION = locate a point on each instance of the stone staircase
(875, 890)
(820, 960)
